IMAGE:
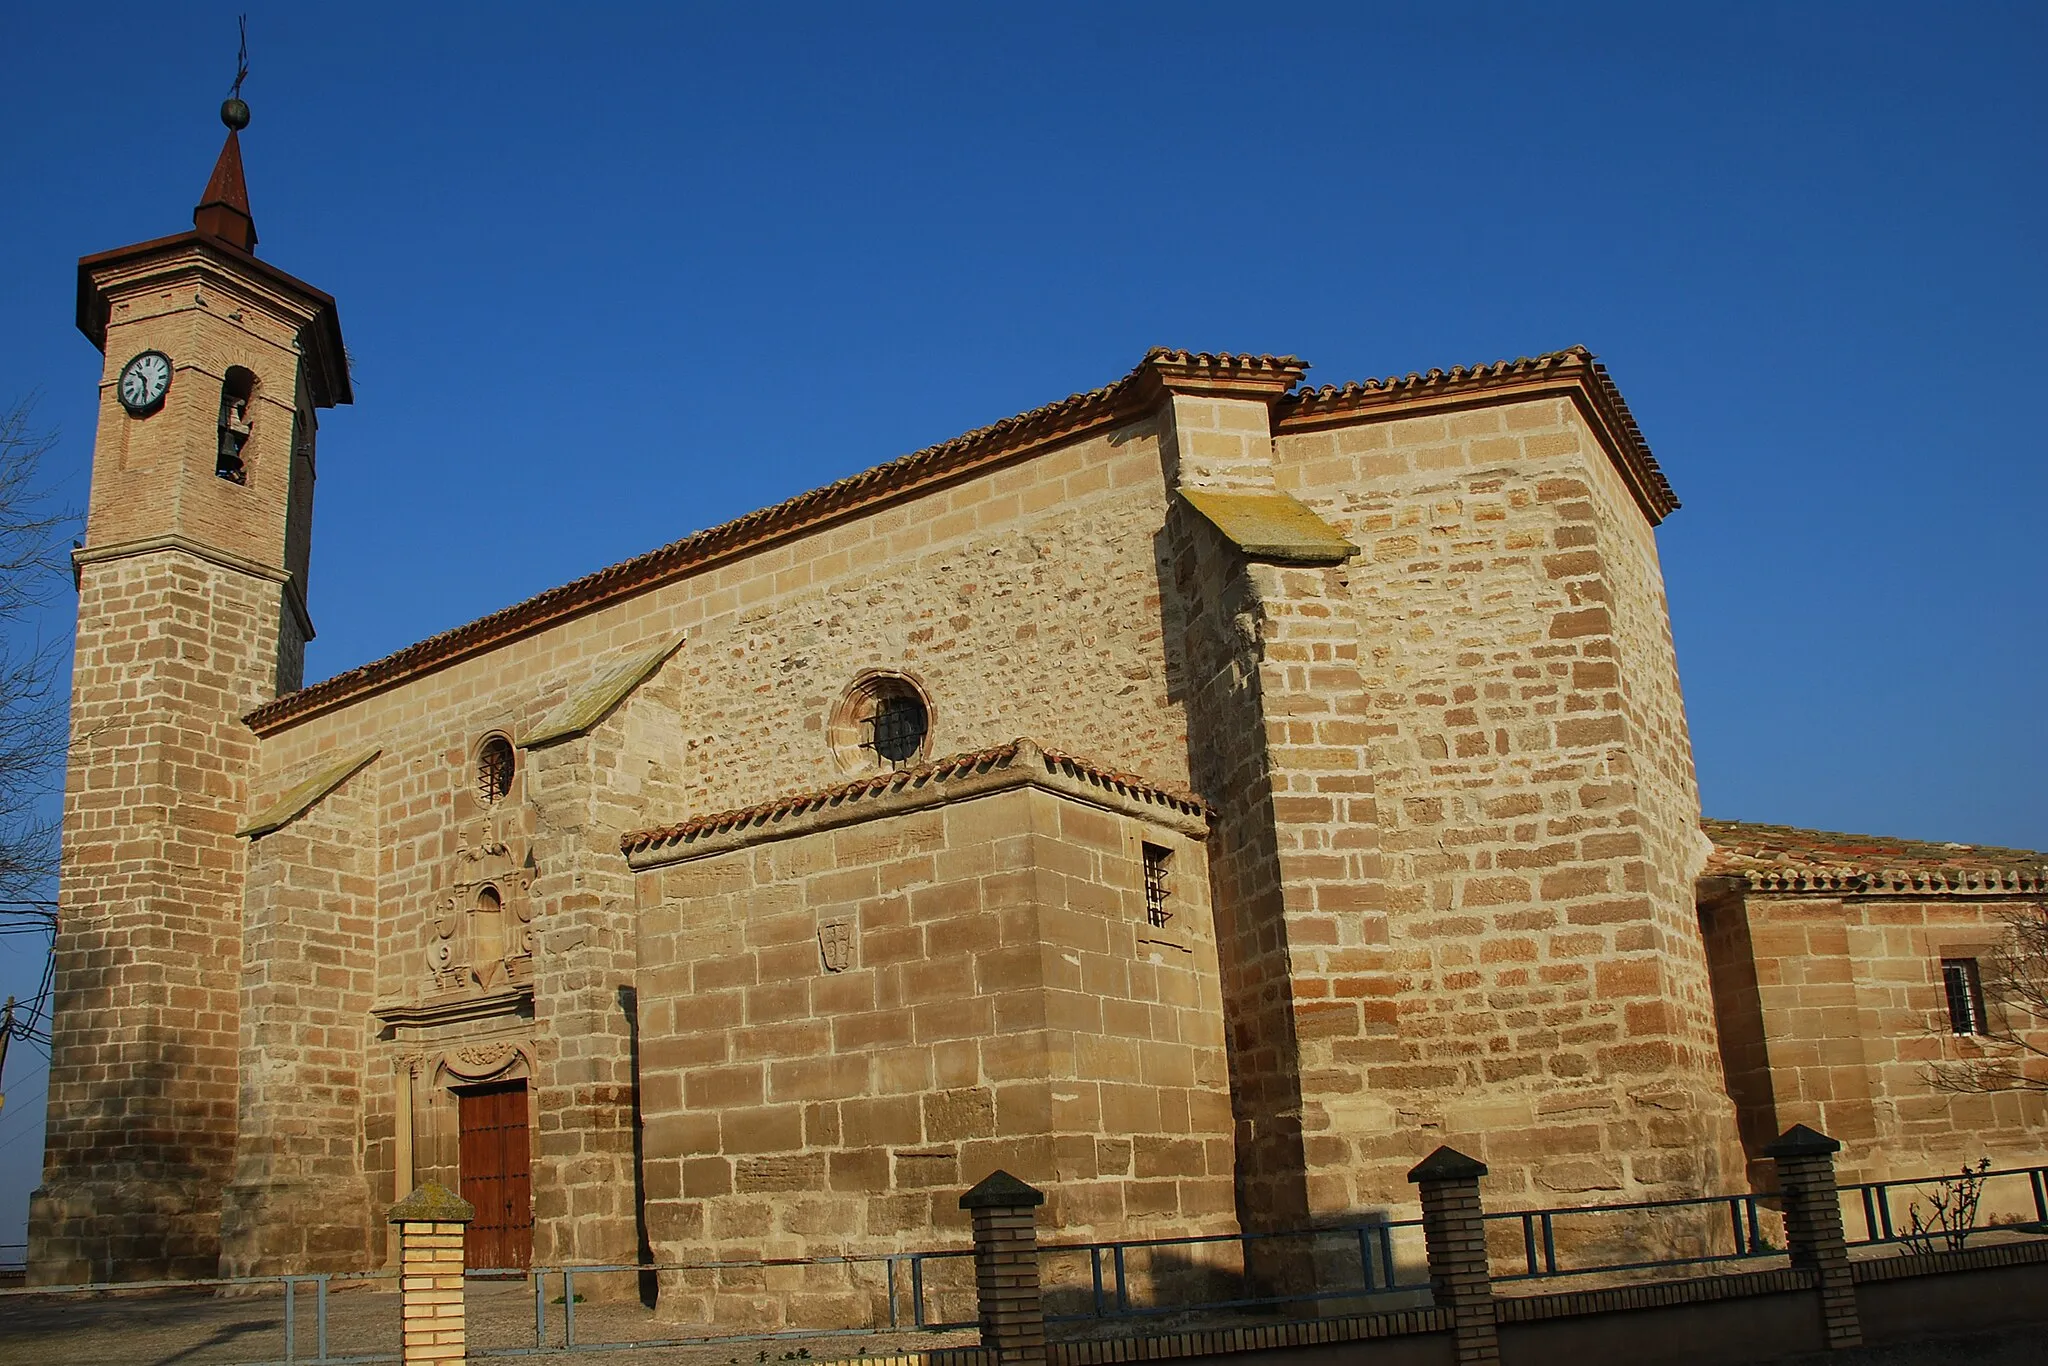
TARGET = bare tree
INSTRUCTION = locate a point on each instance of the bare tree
(33, 529)
(2015, 1037)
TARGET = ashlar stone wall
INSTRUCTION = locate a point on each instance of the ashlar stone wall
(1833, 1015)
(301, 1198)
(171, 648)
(851, 1010)
(1025, 598)
(1537, 818)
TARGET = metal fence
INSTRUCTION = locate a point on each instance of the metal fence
(2012, 1193)
(1217, 1273)
(921, 1297)
(876, 1295)
(243, 1320)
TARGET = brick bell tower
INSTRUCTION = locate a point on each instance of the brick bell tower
(191, 611)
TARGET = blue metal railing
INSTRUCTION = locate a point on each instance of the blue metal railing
(290, 1285)
(1874, 1199)
(1144, 1277)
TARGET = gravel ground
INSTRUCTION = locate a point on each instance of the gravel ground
(201, 1328)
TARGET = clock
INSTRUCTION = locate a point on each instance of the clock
(144, 381)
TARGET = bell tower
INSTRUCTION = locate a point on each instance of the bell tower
(191, 610)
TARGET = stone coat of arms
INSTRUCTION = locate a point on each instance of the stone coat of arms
(835, 944)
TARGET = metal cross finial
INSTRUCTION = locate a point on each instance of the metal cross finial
(241, 58)
(233, 112)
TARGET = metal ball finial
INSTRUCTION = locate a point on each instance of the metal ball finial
(235, 114)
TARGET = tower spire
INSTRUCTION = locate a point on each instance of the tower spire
(223, 210)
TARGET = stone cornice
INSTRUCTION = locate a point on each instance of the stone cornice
(1860, 882)
(1790, 860)
(294, 596)
(136, 266)
(957, 778)
(1572, 373)
(515, 1000)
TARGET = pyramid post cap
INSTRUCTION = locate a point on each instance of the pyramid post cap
(1800, 1141)
(433, 1203)
(1000, 1190)
(1447, 1164)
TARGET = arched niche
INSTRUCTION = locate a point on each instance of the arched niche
(237, 423)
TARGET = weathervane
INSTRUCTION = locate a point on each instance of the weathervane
(233, 112)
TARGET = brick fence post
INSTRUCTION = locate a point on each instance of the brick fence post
(1005, 1212)
(1813, 1226)
(1454, 1228)
(430, 1226)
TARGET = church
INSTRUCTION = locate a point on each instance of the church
(1200, 797)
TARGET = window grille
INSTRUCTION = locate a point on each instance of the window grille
(494, 770)
(897, 728)
(1965, 995)
(1156, 888)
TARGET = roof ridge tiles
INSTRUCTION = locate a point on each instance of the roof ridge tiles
(1311, 404)
(1787, 858)
(952, 766)
(1121, 401)
(1070, 416)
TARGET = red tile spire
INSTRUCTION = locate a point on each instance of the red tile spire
(223, 210)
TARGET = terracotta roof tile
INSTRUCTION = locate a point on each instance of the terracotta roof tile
(937, 771)
(1079, 414)
(1013, 438)
(1787, 858)
(1309, 407)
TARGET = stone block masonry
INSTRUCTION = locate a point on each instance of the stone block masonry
(1435, 885)
(1534, 990)
(1834, 1013)
(171, 648)
(1406, 641)
(300, 1199)
(852, 1006)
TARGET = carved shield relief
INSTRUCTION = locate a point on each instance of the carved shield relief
(835, 944)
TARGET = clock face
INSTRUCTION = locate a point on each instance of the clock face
(144, 380)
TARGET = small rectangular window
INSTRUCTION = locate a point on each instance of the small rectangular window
(1156, 885)
(1965, 995)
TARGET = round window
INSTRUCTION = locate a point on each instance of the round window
(493, 770)
(883, 721)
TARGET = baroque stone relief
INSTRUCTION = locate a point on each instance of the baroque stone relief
(485, 1060)
(480, 933)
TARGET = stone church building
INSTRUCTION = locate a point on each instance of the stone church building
(1201, 797)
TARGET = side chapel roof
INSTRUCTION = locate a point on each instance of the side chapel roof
(1787, 858)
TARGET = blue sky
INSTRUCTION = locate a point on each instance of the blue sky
(611, 275)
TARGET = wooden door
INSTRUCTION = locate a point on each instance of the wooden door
(496, 1177)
